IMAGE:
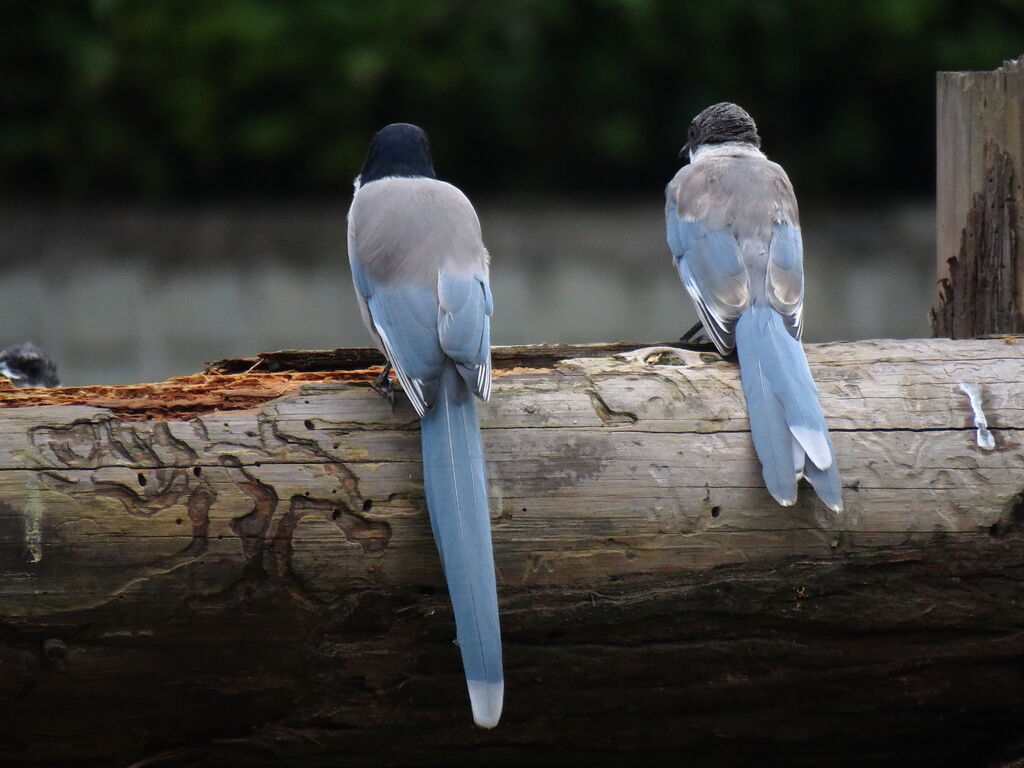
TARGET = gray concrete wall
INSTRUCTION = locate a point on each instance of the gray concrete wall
(125, 294)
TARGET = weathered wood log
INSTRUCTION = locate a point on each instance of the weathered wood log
(980, 202)
(238, 570)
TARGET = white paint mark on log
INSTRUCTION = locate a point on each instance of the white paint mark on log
(985, 439)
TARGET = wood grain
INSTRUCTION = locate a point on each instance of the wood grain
(238, 569)
(980, 202)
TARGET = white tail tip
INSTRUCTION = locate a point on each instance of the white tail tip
(486, 700)
(815, 445)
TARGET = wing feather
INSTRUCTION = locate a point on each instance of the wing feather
(464, 326)
(715, 276)
(405, 319)
(784, 280)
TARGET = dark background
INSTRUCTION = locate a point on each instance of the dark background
(147, 143)
(179, 99)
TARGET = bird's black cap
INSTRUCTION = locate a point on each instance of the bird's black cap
(399, 149)
(719, 124)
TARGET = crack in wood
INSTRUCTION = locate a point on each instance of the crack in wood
(199, 503)
(982, 294)
(251, 528)
(372, 536)
(173, 484)
(607, 414)
(179, 449)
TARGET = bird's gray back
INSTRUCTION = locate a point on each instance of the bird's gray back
(403, 230)
(743, 193)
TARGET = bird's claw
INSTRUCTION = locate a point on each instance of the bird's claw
(697, 339)
(382, 385)
(694, 335)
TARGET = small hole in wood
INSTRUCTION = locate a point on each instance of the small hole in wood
(715, 511)
(335, 514)
(178, 521)
(142, 480)
(197, 471)
(56, 652)
(306, 493)
(367, 505)
(309, 424)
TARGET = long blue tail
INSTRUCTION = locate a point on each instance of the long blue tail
(786, 422)
(453, 477)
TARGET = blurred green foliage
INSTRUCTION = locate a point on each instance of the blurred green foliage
(201, 98)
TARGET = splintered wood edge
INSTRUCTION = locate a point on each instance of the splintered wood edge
(240, 383)
(243, 383)
(362, 358)
(179, 398)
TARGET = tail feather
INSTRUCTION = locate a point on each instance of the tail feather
(773, 442)
(456, 489)
(786, 367)
(786, 422)
(826, 482)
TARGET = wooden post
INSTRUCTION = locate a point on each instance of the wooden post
(236, 569)
(980, 202)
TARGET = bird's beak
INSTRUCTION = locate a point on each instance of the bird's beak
(685, 150)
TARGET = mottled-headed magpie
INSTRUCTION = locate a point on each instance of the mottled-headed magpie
(734, 232)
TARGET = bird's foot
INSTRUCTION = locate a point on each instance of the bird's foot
(697, 339)
(695, 336)
(382, 385)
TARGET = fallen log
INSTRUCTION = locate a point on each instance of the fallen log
(237, 568)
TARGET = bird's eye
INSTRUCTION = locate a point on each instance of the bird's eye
(32, 367)
(692, 133)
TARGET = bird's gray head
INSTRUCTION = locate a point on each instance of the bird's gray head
(718, 124)
(399, 149)
(26, 365)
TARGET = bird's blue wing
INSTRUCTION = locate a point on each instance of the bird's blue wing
(464, 314)
(784, 285)
(405, 319)
(710, 267)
